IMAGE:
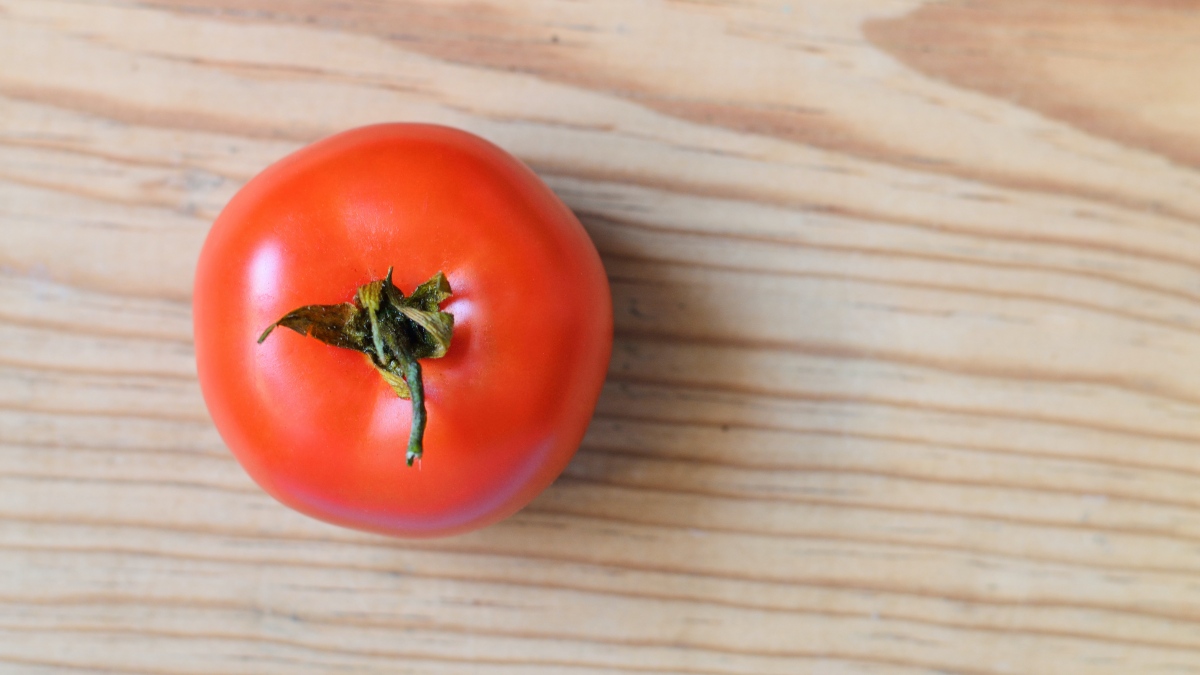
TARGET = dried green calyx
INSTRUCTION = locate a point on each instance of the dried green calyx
(392, 330)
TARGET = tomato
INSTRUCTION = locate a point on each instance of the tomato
(507, 405)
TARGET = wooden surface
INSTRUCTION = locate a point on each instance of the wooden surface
(907, 365)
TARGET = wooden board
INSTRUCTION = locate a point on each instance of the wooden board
(907, 365)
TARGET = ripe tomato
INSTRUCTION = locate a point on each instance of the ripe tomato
(316, 426)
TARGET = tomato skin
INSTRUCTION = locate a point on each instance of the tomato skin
(508, 405)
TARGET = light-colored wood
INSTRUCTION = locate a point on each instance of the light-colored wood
(907, 366)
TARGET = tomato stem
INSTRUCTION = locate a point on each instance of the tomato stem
(393, 331)
(412, 375)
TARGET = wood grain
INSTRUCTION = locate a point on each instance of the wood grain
(907, 366)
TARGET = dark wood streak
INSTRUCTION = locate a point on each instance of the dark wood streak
(113, 156)
(823, 655)
(115, 109)
(720, 425)
(315, 648)
(1164, 532)
(1020, 51)
(843, 352)
(63, 373)
(312, 618)
(117, 481)
(154, 450)
(734, 237)
(737, 193)
(60, 664)
(142, 414)
(66, 324)
(76, 190)
(607, 413)
(284, 560)
(693, 388)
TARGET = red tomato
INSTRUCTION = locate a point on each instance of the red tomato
(508, 404)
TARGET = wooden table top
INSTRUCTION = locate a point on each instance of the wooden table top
(907, 365)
